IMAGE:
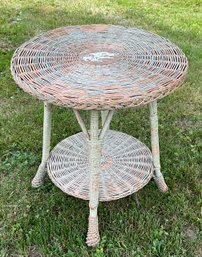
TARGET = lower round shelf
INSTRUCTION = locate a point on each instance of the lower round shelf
(126, 166)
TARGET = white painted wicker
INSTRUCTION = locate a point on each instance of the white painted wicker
(99, 67)
(126, 166)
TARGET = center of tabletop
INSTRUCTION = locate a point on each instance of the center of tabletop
(99, 56)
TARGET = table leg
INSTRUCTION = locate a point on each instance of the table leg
(39, 177)
(158, 176)
(93, 237)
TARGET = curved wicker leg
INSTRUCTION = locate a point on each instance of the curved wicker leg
(93, 237)
(38, 179)
(41, 172)
(161, 184)
(158, 177)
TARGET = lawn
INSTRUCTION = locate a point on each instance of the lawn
(45, 221)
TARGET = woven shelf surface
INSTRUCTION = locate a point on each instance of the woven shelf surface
(98, 66)
(126, 166)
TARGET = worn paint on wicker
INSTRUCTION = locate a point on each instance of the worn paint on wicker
(94, 168)
(98, 66)
(93, 236)
(39, 177)
(159, 179)
(125, 167)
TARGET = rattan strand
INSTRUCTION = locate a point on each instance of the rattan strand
(126, 166)
(98, 67)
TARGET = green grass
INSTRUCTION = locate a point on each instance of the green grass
(45, 221)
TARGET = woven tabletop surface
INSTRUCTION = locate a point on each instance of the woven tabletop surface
(98, 66)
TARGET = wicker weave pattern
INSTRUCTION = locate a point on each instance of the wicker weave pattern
(93, 236)
(98, 67)
(126, 166)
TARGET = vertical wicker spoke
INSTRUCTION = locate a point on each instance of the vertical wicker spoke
(39, 177)
(81, 123)
(103, 116)
(155, 147)
(106, 124)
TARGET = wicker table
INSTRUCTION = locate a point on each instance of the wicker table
(99, 68)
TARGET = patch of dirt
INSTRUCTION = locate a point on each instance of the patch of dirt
(4, 45)
(5, 108)
(34, 252)
(199, 252)
(191, 233)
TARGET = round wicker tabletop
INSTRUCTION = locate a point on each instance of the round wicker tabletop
(126, 166)
(98, 66)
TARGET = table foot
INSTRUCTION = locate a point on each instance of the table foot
(161, 184)
(38, 180)
(93, 236)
